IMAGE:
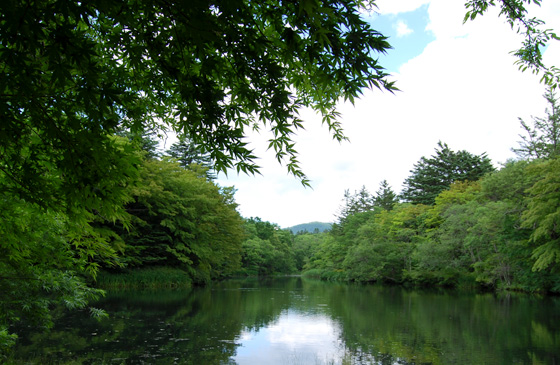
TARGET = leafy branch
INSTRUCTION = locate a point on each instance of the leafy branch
(529, 54)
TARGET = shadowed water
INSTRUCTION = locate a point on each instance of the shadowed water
(296, 321)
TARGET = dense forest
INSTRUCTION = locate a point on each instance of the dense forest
(82, 190)
(458, 222)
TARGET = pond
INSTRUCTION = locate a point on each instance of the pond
(298, 321)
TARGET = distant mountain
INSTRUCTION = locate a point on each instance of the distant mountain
(310, 227)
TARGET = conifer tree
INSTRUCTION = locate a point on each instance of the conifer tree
(385, 197)
(435, 174)
(187, 153)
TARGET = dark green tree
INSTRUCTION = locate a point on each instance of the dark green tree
(385, 197)
(187, 153)
(182, 220)
(435, 174)
(145, 141)
(542, 140)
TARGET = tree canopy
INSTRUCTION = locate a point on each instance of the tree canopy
(435, 174)
(73, 73)
(500, 231)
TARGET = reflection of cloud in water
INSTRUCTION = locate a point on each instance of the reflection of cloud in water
(294, 338)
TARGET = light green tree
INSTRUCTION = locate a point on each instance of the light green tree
(543, 214)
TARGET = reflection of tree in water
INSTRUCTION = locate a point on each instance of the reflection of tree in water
(385, 325)
(199, 325)
(395, 325)
(149, 326)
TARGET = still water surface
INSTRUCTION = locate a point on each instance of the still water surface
(298, 321)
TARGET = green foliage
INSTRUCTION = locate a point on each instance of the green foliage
(75, 73)
(375, 261)
(187, 154)
(52, 234)
(530, 53)
(144, 141)
(304, 247)
(385, 197)
(433, 175)
(182, 220)
(268, 250)
(75, 197)
(509, 184)
(543, 214)
(327, 258)
(477, 233)
(359, 202)
(42, 264)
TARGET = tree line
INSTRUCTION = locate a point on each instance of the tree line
(458, 221)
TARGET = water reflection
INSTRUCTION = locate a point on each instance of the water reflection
(294, 321)
(295, 337)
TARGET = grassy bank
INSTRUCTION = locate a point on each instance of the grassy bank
(149, 278)
(326, 275)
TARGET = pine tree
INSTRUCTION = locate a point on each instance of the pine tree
(360, 201)
(385, 197)
(187, 153)
(433, 175)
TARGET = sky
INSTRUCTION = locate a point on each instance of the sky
(458, 84)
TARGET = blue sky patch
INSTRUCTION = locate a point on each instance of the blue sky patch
(407, 35)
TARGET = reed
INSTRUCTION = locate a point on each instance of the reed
(145, 278)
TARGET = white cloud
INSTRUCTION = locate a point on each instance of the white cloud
(446, 19)
(402, 29)
(463, 90)
(294, 337)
